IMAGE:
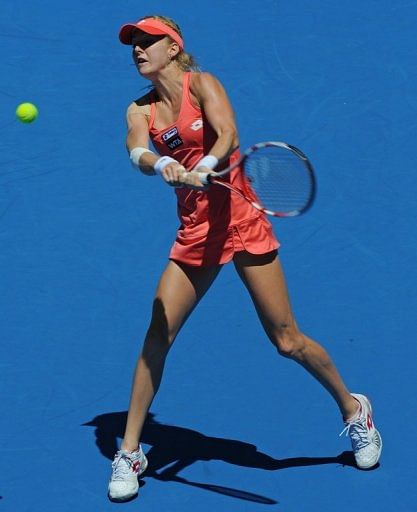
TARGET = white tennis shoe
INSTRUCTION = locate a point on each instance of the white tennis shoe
(126, 468)
(365, 438)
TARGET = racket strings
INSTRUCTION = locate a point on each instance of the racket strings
(280, 179)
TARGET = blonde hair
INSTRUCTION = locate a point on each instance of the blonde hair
(185, 61)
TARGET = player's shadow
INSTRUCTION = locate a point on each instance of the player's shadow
(175, 448)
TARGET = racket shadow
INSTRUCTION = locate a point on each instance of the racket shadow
(175, 448)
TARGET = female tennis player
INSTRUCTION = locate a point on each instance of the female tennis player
(189, 119)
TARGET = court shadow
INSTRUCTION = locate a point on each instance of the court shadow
(174, 448)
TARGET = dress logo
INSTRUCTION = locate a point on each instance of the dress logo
(197, 125)
(172, 138)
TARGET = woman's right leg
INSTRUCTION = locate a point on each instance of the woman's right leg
(179, 290)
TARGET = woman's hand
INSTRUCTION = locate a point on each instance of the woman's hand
(175, 175)
(172, 174)
(192, 179)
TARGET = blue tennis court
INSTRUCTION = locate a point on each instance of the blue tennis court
(84, 239)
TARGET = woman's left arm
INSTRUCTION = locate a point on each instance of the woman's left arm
(219, 113)
(217, 109)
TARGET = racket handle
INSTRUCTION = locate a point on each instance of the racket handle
(204, 177)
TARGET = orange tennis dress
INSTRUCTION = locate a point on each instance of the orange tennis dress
(217, 223)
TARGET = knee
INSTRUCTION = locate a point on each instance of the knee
(158, 339)
(288, 341)
(160, 330)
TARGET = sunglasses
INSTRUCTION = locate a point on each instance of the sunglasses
(144, 41)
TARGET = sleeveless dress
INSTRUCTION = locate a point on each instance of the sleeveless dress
(217, 223)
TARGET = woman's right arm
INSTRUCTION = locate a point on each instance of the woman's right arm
(138, 138)
(137, 142)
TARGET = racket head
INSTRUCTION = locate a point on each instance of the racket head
(282, 178)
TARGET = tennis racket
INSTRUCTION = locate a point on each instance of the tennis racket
(280, 175)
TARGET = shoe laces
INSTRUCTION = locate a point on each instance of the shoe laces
(358, 433)
(121, 466)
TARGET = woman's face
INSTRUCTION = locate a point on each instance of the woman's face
(150, 53)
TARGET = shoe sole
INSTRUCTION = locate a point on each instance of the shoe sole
(122, 500)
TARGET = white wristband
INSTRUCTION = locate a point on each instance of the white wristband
(162, 162)
(136, 153)
(209, 161)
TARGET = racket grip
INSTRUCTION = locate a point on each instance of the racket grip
(204, 177)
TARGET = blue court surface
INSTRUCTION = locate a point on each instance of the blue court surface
(84, 239)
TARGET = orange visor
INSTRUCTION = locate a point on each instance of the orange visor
(150, 26)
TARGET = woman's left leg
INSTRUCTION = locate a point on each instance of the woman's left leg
(264, 279)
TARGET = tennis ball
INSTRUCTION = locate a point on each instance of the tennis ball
(26, 112)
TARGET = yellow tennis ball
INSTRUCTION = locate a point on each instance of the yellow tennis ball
(26, 112)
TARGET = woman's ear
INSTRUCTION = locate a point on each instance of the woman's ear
(174, 51)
